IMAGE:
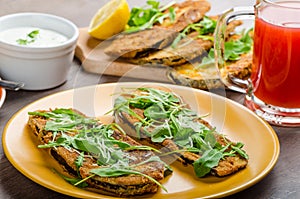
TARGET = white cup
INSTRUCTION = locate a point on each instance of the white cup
(38, 67)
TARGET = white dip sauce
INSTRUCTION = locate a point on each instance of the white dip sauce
(43, 37)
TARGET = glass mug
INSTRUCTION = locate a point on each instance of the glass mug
(273, 90)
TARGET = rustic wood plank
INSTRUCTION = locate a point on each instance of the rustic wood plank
(90, 52)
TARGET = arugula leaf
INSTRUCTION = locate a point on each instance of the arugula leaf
(156, 111)
(160, 133)
(85, 145)
(204, 141)
(239, 150)
(41, 114)
(143, 18)
(207, 60)
(172, 14)
(205, 27)
(154, 4)
(233, 50)
(73, 181)
(209, 159)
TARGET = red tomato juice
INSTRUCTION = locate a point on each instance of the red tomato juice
(276, 59)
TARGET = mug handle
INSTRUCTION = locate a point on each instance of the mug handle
(237, 13)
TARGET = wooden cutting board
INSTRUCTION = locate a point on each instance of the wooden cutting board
(90, 52)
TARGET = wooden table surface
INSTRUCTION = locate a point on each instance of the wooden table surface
(282, 182)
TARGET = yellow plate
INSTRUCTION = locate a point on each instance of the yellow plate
(230, 118)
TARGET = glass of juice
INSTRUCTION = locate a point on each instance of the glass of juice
(273, 89)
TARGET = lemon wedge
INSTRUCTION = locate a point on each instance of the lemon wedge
(110, 19)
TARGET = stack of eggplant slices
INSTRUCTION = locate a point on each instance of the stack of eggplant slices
(180, 36)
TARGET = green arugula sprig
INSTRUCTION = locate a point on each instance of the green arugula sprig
(166, 117)
(93, 139)
(205, 28)
(74, 181)
(144, 18)
(233, 49)
(30, 38)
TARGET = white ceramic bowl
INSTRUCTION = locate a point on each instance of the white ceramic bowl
(38, 67)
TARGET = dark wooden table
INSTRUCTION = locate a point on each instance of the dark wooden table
(282, 182)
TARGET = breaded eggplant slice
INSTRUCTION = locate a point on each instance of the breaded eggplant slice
(186, 50)
(137, 43)
(207, 77)
(161, 35)
(187, 12)
(132, 111)
(68, 157)
(190, 75)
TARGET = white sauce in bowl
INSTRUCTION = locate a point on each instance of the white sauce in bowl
(42, 38)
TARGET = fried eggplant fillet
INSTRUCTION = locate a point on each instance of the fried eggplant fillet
(130, 45)
(75, 142)
(207, 77)
(186, 50)
(159, 118)
(191, 75)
